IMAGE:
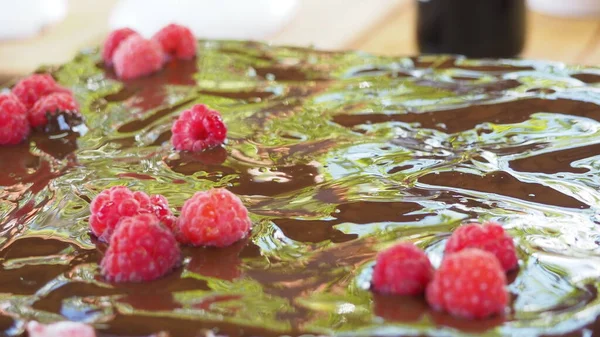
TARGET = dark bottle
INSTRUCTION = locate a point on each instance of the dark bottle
(475, 28)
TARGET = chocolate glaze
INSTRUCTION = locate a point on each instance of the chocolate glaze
(337, 155)
(557, 161)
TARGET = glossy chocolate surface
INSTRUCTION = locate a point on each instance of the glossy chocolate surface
(337, 156)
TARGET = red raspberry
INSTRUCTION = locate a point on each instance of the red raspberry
(51, 105)
(14, 126)
(113, 41)
(141, 249)
(214, 218)
(137, 57)
(111, 205)
(490, 237)
(160, 208)
(176, 41)
(469, 284)
(30, 89)
(197, 129)
(60, 329)
(403, 269)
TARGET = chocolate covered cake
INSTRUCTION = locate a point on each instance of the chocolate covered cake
(336, 155)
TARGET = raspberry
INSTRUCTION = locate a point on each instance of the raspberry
(176, 41)
(14, 126)
(111, 205)
(403, 269)
(490, 237)
(137, 57)
(60, 329)
(51, 105)
(113, 41)
(469, 284)
(197, 129)
(160, 208)
(30, 89)
(213, 218)
(141, 249)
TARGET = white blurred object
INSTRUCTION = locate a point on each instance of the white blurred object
(60, 329)
(216, 19)
(336, 24)
(570, 8)
(26, 18)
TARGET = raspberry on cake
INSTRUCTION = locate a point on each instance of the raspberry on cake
(160, 207)
(14, 126)
(213, 218)
(177, 41)
(113, 41)
(136, 57)
(197, 129)
(30, 89)
(117, 202)
(490, 237)
(140, 249)
(403, 269)
(469, 284)
(51, 105)
(60, 329)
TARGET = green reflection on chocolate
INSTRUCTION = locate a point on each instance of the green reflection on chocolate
(337, 155)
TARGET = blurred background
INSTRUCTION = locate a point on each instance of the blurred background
(34, 32)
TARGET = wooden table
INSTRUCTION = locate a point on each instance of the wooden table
(377, 26)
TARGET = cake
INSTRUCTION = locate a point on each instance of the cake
(337, 155)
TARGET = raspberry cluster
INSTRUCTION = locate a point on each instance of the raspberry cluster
(29, 104)
(141, 230)
(471, 281)
(144, 236)
(134, 56)
(112, 205)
